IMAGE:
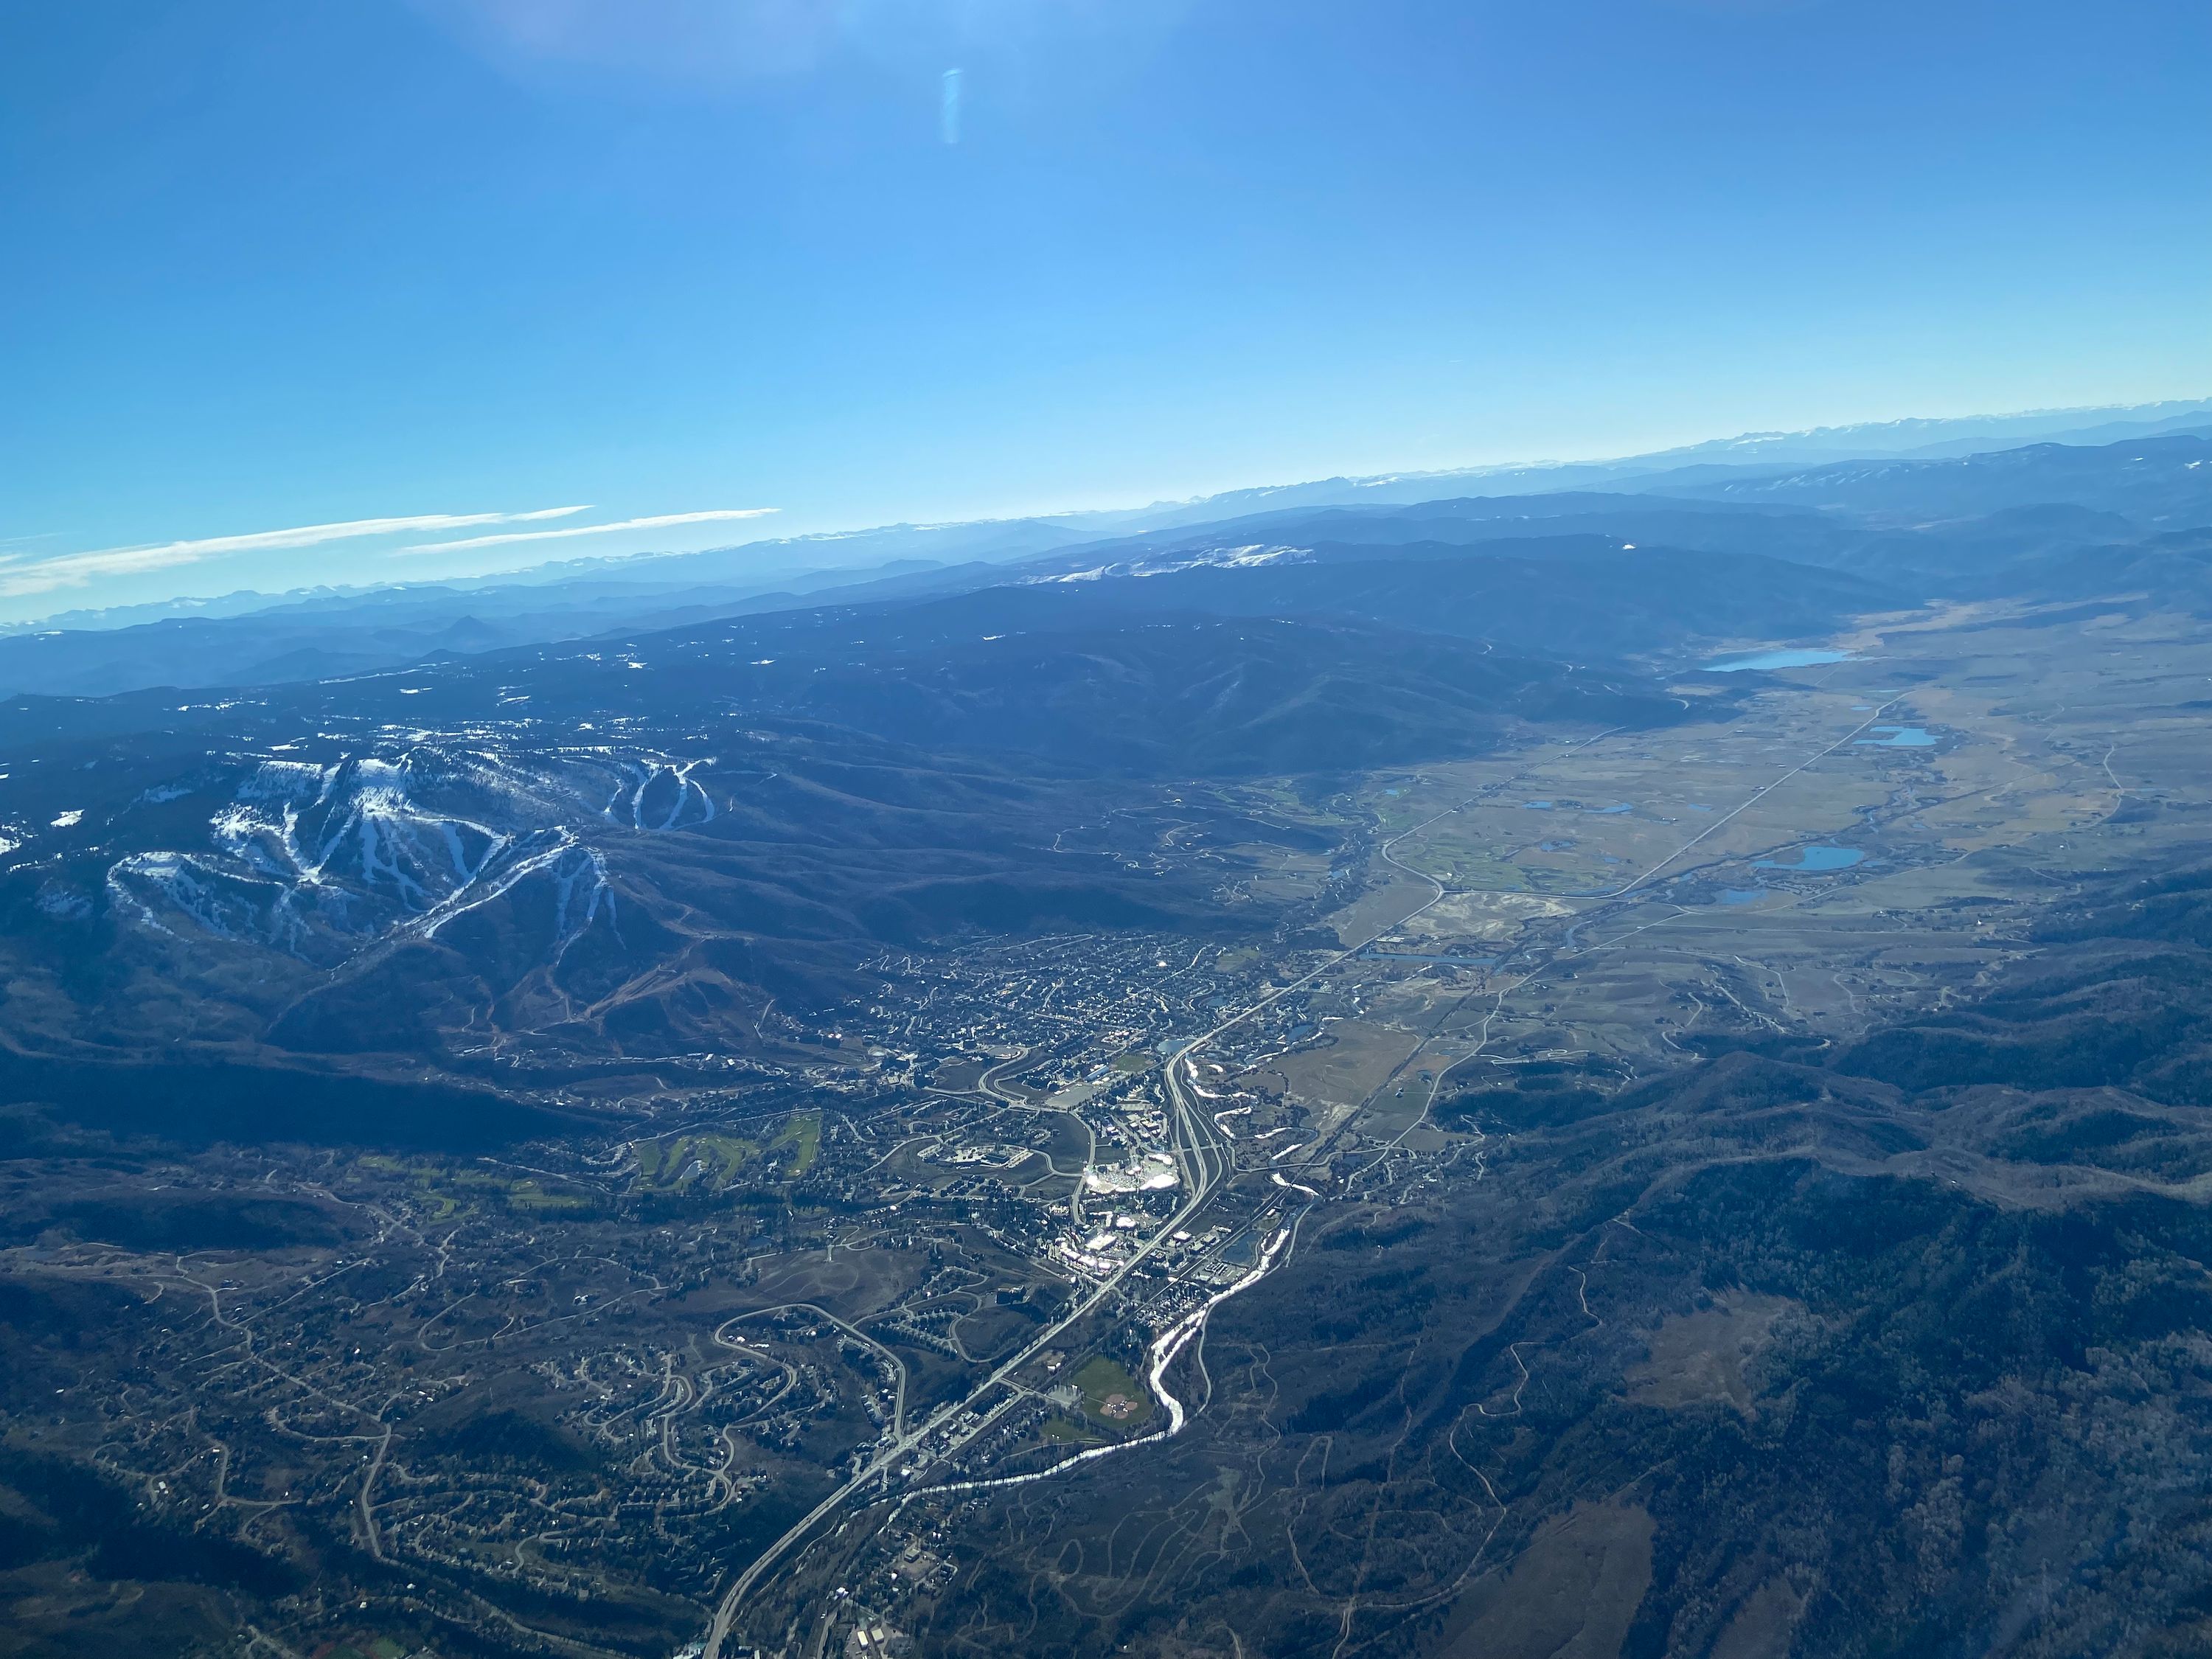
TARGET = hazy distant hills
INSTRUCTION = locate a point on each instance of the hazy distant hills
(1817, 498)
(2046, 520)
(1717, 457)
(1530, 594)
(1776, 530)
(2159, 483)
(1905, 526)
(323, 637)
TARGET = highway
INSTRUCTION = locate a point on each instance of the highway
(1204, 1162)
(1203, 1159)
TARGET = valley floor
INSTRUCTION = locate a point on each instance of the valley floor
(1461, 1266)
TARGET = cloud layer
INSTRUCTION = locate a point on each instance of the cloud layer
(20, 576)
(658, 522)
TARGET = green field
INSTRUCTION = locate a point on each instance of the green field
(803, 1133)
(532, 1199)
(1106, 1384)
(703, 1161)
(674, 1162)
(446, 1191)
(365, 1647)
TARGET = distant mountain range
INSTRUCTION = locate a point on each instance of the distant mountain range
(1809, 498)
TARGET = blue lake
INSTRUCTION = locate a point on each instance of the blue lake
(1535, 806)
(1814, 858)
(1900, 736)
(1776, 660)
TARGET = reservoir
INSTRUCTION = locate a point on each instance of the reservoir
(1776, 660)
(1814, 858)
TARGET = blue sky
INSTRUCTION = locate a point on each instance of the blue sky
(272, 266)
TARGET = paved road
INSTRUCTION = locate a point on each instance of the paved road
(1200, 1154)
(1205, 1163)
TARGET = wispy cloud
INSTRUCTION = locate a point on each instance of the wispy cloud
(20, 576)
(659, 522)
